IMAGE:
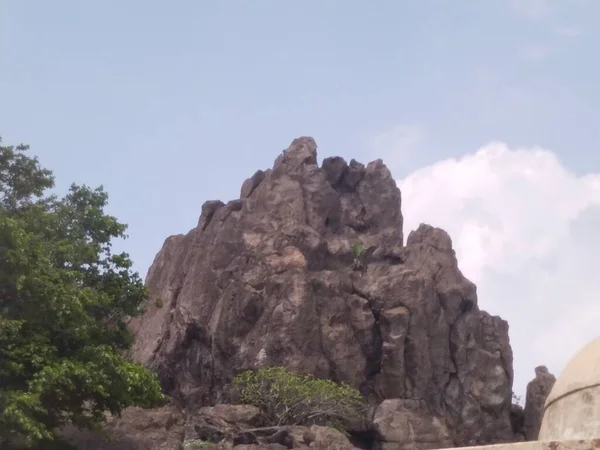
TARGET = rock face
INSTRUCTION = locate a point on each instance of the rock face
(308, 270)
(538, 390)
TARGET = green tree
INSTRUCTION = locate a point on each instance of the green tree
(65, 300)
(285, 398)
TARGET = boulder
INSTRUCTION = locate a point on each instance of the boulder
(136, 429)
(408, 424)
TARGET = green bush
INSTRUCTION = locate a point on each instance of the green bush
(358, 250)
(285, 398)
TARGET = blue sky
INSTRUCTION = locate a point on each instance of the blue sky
(169, 104)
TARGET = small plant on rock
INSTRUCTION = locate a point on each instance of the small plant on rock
(198, 444)
(358, 251)
(517, 399)
(285, 398)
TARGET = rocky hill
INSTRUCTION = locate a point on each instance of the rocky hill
(308, 269)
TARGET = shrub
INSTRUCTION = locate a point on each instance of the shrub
(358, 250)
(517, 399)
(285, 398)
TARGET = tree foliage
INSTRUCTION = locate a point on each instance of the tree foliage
(285, 398)
(65, 299)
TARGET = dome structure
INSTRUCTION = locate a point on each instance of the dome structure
(572, 410)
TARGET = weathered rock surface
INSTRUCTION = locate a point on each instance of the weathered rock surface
(222, 427)
(400, 423)
(271, 279)
(222, 423)
(517, 419)
(538, 390)
(136, 429)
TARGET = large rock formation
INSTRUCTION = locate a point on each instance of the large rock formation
(308, 270)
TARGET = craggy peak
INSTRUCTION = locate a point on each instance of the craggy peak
(308, 272)
(274, 279)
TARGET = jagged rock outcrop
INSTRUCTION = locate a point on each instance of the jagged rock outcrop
(538, 390)
(272, 279)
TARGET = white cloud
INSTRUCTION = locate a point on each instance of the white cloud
(536, 52)
(398, 146)
(532, 9)
(527, 232)
(569, 32)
